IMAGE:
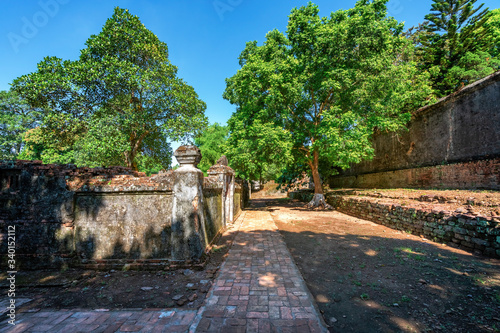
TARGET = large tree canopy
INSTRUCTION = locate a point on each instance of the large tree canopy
(329, 83)
(493, 24)
(212, 145)
(119, 101)
(257, 149)
(458, 44)
(16, 118)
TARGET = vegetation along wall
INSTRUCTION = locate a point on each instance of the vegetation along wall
(64, 215)
(454, 143)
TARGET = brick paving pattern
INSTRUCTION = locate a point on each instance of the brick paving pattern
(258, 289)
(102, 321)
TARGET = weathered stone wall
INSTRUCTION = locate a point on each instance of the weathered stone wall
(471, 233)
(237, 203)
(245, 192)
(34, 199)
(212, 194)
(133, 225)
(66, 214)
(94, 217)
(302, 195)
(461, 128)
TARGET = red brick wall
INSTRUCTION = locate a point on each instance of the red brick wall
(483, 174)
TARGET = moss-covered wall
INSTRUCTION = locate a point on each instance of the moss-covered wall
(471, 233)
(237, 203)
(477, 234)
(123, 225)
(213, 212)
(93, 217)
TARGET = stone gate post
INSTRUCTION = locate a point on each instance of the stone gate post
(225, 175)
(188, 219)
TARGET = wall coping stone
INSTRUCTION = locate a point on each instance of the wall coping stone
(479, 84)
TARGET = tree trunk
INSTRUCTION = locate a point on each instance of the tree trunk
(134, 149)
(318, 200)
(130, 160)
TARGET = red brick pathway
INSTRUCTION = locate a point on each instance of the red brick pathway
(258, 289)
(102, 322)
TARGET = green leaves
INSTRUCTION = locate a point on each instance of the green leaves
(212, 143)
(16, 117)
(257, 150)
(319, 92)
(493, 25)
(103, 144)
(455, 46)
(120, 100)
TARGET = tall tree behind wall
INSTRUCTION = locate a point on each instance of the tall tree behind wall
(212, 145)
(120, 101)
(456, 43)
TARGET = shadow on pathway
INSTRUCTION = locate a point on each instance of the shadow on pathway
(258, 289)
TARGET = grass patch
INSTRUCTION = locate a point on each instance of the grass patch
(405, 299)
(416, 257)
(216, 249)
(480, 279)
(403, 249)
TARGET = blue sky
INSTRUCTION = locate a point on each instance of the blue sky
(204, 37)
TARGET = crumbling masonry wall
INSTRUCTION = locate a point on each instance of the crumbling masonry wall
(454, 143)
(93, 217)
(477, 234)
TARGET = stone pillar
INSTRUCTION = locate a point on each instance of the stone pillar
(225, 176)
(188, 218)
(230, 197)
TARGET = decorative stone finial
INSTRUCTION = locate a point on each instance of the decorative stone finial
(223, 160)
(188, 155)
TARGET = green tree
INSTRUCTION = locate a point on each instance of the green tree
(257, 149)
(211, 143)
(103, 143)
(121, 99)
(493, 24)
(16, 117)
(38, 146)
(329, 83)
(455, 48)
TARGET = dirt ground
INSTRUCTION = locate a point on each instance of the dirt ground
(369, 278)
(116, 289)
(484, 203)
